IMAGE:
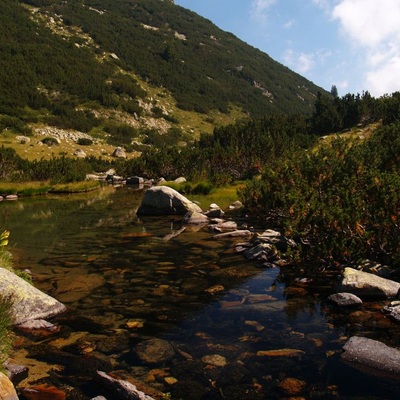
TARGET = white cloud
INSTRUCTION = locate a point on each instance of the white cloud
(369, 22)
(300, 62)
(259, 9)
(289, 24)
(373, 28)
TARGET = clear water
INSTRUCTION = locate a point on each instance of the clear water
(126, 280)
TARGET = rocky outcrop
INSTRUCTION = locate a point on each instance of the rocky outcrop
(119, 152)
(372, 356)
(364, 284)
(27, 302)
(7, 390)
(163, 200)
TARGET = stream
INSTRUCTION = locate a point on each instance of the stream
(184, 316)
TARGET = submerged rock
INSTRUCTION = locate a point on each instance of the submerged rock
(154, 351)
(163, 200)
(122, 389)
(368, 285)
(28, 303)
(372, 356)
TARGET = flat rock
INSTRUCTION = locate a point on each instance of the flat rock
(28, 303)
(345, 299)
(234, 234)
(372, 356)
(364, 284)
(122, 389)
(163, 200)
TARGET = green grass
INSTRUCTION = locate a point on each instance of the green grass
(5, 331)
(75, 187)
(40, 188)
(205, 194)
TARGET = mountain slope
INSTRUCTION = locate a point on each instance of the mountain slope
(90, 64)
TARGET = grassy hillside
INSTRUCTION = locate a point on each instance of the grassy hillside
(130, 73)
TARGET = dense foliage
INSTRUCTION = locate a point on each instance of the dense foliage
(341, 201)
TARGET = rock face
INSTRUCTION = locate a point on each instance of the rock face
(364, 284)
(28, 303)
(163, 200)
(7, 390)
(372, 356)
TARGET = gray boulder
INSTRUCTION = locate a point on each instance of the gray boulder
(372, 356)
(28, 303)
(364, 284)
(163, 200)
(345, 299)
(119, 152)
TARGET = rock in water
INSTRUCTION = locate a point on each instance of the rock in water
(368, 285)
(28, 303)
(372, 356)
(123, 389)
(163, 200)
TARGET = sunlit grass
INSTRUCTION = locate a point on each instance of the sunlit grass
(40, 188)
(223, 196)
(75, 187)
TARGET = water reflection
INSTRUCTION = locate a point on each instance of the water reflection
(237, 331)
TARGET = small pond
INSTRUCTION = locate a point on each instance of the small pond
(217, 326)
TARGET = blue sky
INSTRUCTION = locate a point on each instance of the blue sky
(353, 44)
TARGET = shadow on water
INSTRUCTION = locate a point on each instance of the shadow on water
(215, 325)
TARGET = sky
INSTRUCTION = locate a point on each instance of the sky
(352, 44)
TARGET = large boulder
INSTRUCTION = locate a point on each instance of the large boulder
(7, 390)
(372, 356)
(163, 200)
(364, 284)
(27, 302)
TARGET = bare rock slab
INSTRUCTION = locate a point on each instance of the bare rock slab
(28, 302)
(163, 200)
(364, 284)
(372, 357)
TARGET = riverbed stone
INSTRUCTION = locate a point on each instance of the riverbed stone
(214, 359)
(195, 218)
(123, 389)
(393, 310)
(372, 356)
(240, 233)
(163, 200)
(292, 386)
(345, 299)
(28, 303)
(7, 390)
(154, 351)
(364, 284)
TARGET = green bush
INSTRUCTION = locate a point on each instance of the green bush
(340, 203)
(50, 141)
(84, 142)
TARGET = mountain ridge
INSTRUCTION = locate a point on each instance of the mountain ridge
(93, 65)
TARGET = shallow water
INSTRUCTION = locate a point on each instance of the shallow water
(126, 280)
